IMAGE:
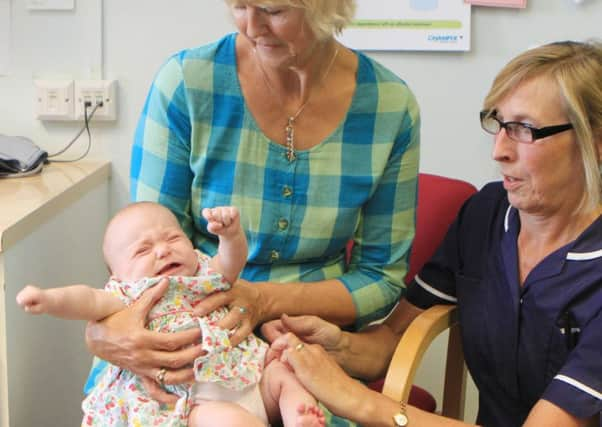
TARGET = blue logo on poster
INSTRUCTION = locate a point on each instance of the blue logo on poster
(444, 38)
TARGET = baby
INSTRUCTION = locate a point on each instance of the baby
(143, 244)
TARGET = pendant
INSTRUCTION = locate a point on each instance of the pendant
(289, 131)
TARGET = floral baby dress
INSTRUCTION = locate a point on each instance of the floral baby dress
(119, 399)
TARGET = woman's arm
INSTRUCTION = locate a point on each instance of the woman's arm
(546, 414)
(77, 302)
(377, 410)
(367, 354)
(266, 301)
(364, 355)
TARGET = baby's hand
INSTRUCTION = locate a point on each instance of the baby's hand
(222, 220)
(33, 300)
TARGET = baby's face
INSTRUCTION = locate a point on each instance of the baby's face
(147, 243)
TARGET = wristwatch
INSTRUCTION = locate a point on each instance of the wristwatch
(401, 419)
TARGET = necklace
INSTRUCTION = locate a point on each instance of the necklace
(289, 129)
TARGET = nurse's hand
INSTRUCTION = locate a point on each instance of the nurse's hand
(320, 374)
(123, 340)
(310, 329)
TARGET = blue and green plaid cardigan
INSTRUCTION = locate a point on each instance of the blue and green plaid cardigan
(197, 145)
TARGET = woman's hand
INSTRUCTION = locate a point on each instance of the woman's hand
(310, 329)
(320, 374)
(123, 340)
(244, 302)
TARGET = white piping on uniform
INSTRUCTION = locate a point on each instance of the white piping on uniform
(579, 385)
(583, 256)
(506, 218)
(434, 291)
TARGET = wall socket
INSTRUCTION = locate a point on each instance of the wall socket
(101, 93)
(64, 100)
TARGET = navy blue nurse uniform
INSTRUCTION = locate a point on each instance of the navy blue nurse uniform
(541, 341)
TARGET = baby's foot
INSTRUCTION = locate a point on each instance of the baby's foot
(310, 416)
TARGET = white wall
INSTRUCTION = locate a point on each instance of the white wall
(128, 40)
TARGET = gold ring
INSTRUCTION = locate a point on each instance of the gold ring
(160, 377)
(299, 346)
(242, 310)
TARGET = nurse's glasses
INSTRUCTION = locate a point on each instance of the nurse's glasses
(518, 131)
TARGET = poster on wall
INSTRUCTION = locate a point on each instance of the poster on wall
(499, 3)
(4, 35)
(409, 25)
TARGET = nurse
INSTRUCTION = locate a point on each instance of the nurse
(523, 262)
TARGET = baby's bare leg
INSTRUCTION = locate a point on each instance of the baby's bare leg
(285, 398)
(213, 413)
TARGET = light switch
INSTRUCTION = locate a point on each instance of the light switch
(50, 4)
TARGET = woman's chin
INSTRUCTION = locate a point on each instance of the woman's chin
(517, 201)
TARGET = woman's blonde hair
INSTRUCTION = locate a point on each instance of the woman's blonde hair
(325, 17)
(576, 67)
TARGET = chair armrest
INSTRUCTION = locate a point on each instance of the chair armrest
(410, 351)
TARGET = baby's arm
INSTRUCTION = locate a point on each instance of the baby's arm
(79, 302)
(232, 250)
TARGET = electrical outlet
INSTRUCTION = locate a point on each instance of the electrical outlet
(54, 99)
(96, 92)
